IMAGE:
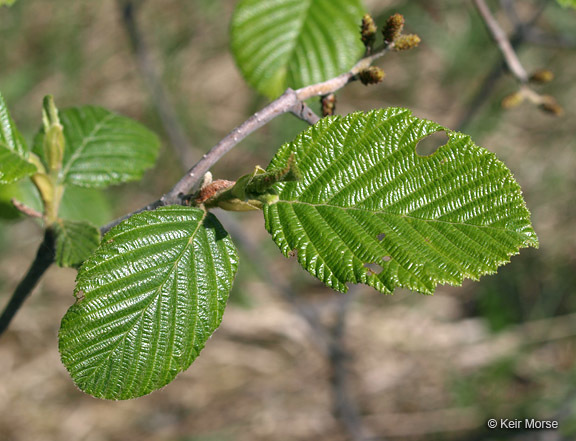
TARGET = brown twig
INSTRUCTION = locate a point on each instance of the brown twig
(289, 101)
(44, 258)
(512, 61)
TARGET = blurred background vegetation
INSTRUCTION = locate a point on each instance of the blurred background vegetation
(417, 367)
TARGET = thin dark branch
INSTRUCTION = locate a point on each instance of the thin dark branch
(345, 407)
(44, 258)
(161, 103)
(501, 40)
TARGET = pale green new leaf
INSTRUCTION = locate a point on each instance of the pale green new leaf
(13, 152)
(102, 147)
(7, 2)
(369, 209)
(148, 299)
(75, 241)
(295, 43)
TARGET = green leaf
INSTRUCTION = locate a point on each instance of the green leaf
(102, 148)
(295, 43)
(567, 3)
(154, 292)
(75, 241)
(13, 167)
(13, 152)
(7, 2)
(85, 204)
(369, 209)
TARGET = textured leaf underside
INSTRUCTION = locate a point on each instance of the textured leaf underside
(294, 43)
(153, 293)
(370, 210)
(13, 152)
(103, 148)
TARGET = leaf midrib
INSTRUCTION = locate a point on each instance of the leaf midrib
(153, 298)
(400, 215)
(89, 138)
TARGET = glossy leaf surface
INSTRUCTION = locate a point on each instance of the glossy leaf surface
(294, 43)
(75, 241)
(103, 148)
(148, 299)
(370, 210)
(13, 153)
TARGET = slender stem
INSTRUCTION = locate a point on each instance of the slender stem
(289, 101)
(487, 86)
(25, 209)
(499, 36)
(44, 258)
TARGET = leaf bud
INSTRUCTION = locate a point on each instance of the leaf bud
(371, 75)
(542, 76)
(53, 142)
(368, 31)
(512, 100)
(393, 28)
(550, 105)
(405, 42)
(328, 104)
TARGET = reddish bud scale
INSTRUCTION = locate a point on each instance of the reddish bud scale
(212, 189)
(328, 104)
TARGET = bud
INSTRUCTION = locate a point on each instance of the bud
(212, 190)
(368, 31)
(393, 28)
(512, 100)
(405, 42)
(53, 142)
(328, 104)
(371, 75)
(542, 76)
(550, 105)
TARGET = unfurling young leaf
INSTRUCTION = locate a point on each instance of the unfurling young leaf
(295, 43)
(102, 148)
(369, 209)
(148, 300)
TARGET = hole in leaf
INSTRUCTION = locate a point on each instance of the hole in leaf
(427, 146)
(293, 253)
(373, 268)
(387, 258)
(381, 236)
